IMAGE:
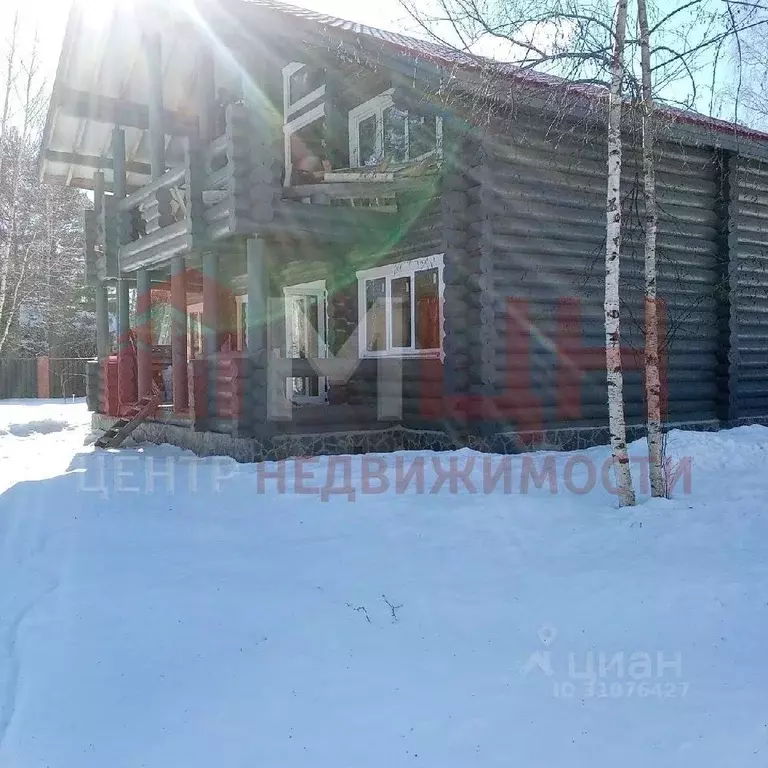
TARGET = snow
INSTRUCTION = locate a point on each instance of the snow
(188, 619)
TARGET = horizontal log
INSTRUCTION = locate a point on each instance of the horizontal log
(94, 161)
(105, 109)
(334, 416)
(171, 178)
(346, 190)
(405, 389)
(220, 230)
(217, 179)
(156, 248)
(216, 213)
(216, 150)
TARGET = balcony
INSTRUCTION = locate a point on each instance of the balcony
(232, 186)
(228, 187)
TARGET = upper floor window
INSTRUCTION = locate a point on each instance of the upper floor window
(302, 85)
(304, 123)
(399, 308)
(378, 130)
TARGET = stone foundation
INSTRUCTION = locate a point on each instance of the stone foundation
(280, 447)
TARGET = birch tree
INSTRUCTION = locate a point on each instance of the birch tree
(651, 368)
(615, 375)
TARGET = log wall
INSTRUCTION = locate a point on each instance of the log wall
(542, 216)
(748, 271)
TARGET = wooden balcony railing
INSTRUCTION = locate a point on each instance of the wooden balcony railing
(231, 187)
(154, 222)
(228, 187)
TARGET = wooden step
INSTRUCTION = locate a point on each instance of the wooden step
(119, 431)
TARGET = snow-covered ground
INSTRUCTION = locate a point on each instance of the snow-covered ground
(160, 610)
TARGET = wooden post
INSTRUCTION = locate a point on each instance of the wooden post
(126, 380)
(144, 331)
(102, 322)
(98, 192)
(102, 306)
(259, 378)
(120, 188)
(179, 334)
(206, 94)
(154, 55)
(123, 315)
(43, 377)
(210, 303)
(118, 162)
(210, 326)
(257, 296)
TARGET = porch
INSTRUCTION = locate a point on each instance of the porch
(241, 396)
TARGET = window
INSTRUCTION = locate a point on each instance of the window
(399, 307)
(194, 331)
(303, 118)
(378, 130)
(305, 336)
(304, 82)
(302, 85)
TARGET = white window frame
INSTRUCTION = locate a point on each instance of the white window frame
(194, 309)
(314, 288)
(292, 108)
(316, 113)
(390, 272)
(376, 107)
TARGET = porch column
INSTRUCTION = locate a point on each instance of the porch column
(102, 322)
(179, 334)
(118, 167)
(98, 192)
(262, 401)
(123, 315)
(210, 325)
(154, 57)
(206, 94)
(120, 189)
(210, 303)
(102, 302)
(126, 380)
(144, 331)
(257, 296)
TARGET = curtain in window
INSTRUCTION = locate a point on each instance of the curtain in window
(428, 323)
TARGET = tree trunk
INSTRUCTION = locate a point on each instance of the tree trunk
(615, 377)
(652, 377)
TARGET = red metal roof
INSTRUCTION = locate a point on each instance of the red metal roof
(446, 57)
(425, 50)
